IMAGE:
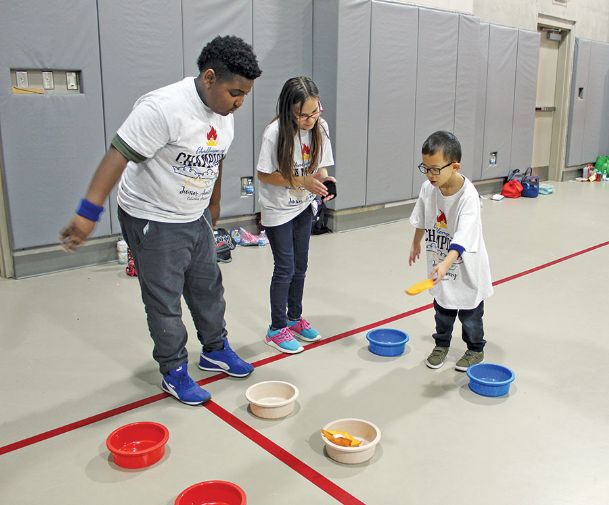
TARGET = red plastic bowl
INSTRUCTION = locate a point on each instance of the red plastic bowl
(138, 445)
(212, 492)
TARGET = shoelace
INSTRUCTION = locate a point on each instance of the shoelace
(304, 324)
(284, 335)
(185, 380)
(469, 355)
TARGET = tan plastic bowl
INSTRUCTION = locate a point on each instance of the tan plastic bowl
(363, 430)
(272, 399)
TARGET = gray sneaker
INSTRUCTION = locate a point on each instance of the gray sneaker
(437, 357)
(468, 359)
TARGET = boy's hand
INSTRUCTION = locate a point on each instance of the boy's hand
(214, 211)
(76, 233)
(415, 253)
(438, 272)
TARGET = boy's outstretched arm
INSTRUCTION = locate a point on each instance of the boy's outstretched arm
(106, 176)
(415, 249)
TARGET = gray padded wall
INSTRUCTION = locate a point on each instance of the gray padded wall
(436, 80)
(577, 113)
(595, 142)
(525, 93)
(50, 142)
(393, 59)
(284, 49)
(466, 94)
(484, 31)
(499, 115)
(341, 34)
(603, 148)
(136, 58)
(202, 21)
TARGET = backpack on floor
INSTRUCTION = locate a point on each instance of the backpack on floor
(319, 224)
(224, 245)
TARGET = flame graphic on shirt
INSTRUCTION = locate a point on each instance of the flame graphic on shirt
(441, 220)
(212, 137)
(305, 152)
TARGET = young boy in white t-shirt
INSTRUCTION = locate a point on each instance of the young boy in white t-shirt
(448, 214)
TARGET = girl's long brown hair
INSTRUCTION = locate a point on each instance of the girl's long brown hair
(293, 95)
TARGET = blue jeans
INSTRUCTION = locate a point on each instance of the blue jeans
(175, 260)
(471, 326)
(290, 245)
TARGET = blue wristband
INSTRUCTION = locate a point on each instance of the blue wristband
(458, 248)
(89, 210)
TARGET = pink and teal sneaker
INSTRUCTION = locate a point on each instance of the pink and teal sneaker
(283, 340)
(304, 331)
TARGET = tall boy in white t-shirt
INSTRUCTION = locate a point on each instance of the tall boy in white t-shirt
(168, 156)
(448, 214)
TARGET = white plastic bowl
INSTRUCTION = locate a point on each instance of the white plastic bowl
(367, 432)
(272, 399)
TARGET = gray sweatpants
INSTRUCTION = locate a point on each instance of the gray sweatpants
(175, 259)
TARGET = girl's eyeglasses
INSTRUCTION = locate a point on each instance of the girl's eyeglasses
(313, 115)
(433, 170)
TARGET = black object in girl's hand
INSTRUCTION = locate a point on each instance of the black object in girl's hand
(331, 187)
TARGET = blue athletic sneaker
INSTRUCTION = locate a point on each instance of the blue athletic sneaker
(225, 360)
(179, 384)
(283, 340)
(303, 330)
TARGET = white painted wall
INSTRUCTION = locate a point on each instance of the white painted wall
(591, 16)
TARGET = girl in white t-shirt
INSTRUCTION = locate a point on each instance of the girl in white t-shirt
(292, 171)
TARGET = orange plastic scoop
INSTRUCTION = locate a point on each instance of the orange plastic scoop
(419, 287)
(341, 438)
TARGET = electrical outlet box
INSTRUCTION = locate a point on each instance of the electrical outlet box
(71, 80)
(47, 80)
(22, 80)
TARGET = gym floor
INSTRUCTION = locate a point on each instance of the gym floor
(77, 364)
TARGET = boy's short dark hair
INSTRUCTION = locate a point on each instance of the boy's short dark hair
(229, 55)
(443, 141)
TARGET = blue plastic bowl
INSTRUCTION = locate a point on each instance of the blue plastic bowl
(489, 379)
(387, 342)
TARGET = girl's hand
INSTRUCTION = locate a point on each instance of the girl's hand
(326, 178)
(415, 253)
(314, 185)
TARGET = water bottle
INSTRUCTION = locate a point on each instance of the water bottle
(121, 252)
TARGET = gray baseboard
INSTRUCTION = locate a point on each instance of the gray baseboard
(43, 260)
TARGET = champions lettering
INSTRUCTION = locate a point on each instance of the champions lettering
(441, 239)
(204, 160)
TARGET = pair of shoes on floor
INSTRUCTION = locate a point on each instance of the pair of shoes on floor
(181, 386)
(438, 355)
(284, 339)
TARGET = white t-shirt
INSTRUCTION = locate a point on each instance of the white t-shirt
(183, 142)
(280, 204)
(448, 219)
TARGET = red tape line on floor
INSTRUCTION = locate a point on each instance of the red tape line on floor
(284, 456)
(151, 399)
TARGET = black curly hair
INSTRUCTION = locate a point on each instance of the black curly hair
(229, 55)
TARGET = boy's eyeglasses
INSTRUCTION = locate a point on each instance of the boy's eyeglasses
(433, 170)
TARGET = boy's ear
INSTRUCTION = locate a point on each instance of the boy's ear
(456, 165)
(209, 77)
